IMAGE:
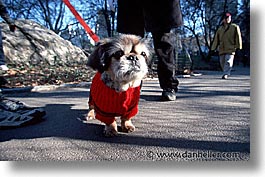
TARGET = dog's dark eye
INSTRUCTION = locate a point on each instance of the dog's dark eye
(143, 54)
(118, 54)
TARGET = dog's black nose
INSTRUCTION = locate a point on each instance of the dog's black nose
(132, 57)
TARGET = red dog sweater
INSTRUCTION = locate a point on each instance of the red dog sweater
(109, 104)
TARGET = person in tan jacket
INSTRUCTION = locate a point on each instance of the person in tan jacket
(227, 40)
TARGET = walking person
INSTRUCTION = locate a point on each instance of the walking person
(228, 39)
(158, 17)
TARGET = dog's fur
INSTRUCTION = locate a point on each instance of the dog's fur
(122, 62)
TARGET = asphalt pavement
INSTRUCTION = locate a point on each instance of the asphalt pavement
(209, 121)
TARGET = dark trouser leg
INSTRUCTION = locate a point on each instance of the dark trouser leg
(2, 56)
(130, 17)
(164, 43)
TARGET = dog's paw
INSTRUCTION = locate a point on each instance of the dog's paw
(91, 114)
(111, 130)
(127, 126)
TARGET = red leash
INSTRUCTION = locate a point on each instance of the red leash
(81, 21)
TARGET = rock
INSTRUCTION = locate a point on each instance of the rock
(32, 43)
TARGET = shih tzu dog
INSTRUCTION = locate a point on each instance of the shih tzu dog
(121, 64)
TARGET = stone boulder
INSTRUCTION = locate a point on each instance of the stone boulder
(32, 43)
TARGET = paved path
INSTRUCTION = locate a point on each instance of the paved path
(210, 120)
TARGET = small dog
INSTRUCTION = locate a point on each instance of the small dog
(121, 63)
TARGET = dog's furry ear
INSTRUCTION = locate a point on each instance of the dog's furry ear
(148, 44)
(99, 59)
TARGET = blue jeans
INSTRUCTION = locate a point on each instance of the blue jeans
(2, 56)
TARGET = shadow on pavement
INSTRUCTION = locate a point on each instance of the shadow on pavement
(64, 122)
(129, 139)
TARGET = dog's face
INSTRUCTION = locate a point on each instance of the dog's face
(124, 58)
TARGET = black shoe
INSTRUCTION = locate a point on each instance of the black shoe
(225, 76)
(168, 95)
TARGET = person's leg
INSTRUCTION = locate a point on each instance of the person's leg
(164, 43)
(2, 56)
(130, 18)
(222, 64)
(227, 65)
(222, 61)
(3, 67)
